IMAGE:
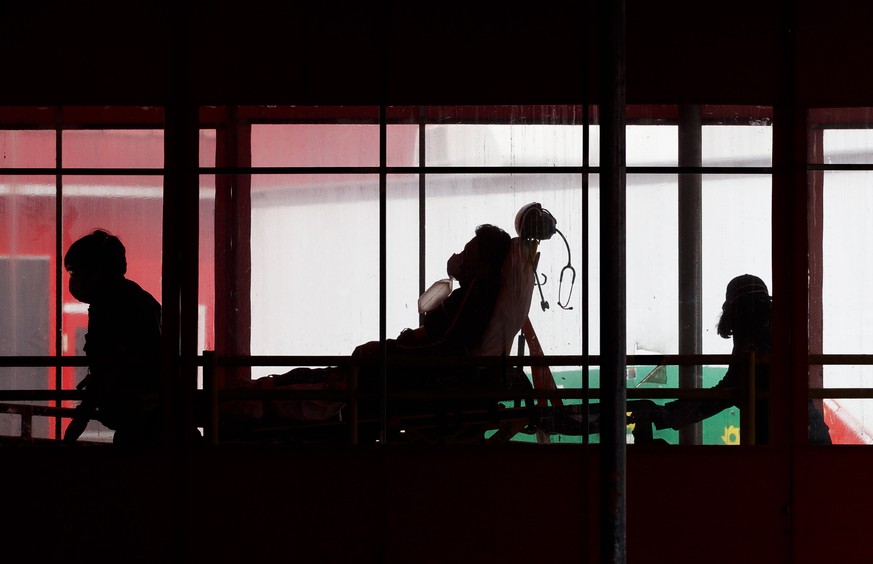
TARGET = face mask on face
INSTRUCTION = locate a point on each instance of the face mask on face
(82, 287)
(465, 266)
(453, 266)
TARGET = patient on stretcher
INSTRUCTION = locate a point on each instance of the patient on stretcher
(495, 276)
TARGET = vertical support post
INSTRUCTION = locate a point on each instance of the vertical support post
(59, 267)
(422, 203)
(690, 257)
(210, 390)
(233, 260)
(791, 259)
(815, 221)
(586, 372)
(180, 269)
(181, 229)
(613, 453)
(791, 272)
(383, 274)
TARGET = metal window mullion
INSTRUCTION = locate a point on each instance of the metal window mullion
(790, 235)
(586, 376)
(59, 284)
(613, 299)
(690, 253)
(232, 242)
(383, 276)
(422, 205)
(815, 221)
(180, 269)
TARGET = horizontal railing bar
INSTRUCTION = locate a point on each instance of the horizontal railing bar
(564, 393)
(9, 361)
(840, 359)
(13, 361)
(40, 395)
(549, 360)
(500, 395)
(841, 393)
(342, 395)
(43, 410)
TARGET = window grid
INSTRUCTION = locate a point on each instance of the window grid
(423, 171)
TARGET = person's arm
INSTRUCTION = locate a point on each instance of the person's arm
(83, 413)
(456, 326)
(683, 412)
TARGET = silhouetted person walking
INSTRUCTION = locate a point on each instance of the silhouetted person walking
(123, 344)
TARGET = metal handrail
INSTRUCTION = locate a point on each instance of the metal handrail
(746, 393)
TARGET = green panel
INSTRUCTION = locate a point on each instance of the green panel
(720, 429)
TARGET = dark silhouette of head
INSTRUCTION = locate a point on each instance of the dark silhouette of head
(95, 260)
(746, 310)
(482, 256)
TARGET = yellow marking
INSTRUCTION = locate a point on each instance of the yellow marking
(731, 435)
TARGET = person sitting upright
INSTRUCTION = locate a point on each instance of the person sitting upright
(455, 326)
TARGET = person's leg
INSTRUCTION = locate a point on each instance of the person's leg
(819, 433)
(302, 375)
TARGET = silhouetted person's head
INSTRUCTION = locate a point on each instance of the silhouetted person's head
(482, 256)
(746, 309)
(94, 262)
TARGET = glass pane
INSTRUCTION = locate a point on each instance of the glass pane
(737, 145)
(652, 145)
(503, 145)
(27, 259)
(27, 293)
(847, 297)
(27, 149)
(736, 235)
(315, 263)
(113, 148)
(403, 256)
(848, 146)
(652, 264)
(402, 145)
(207, 147)
(594, 145)
(315, 145)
